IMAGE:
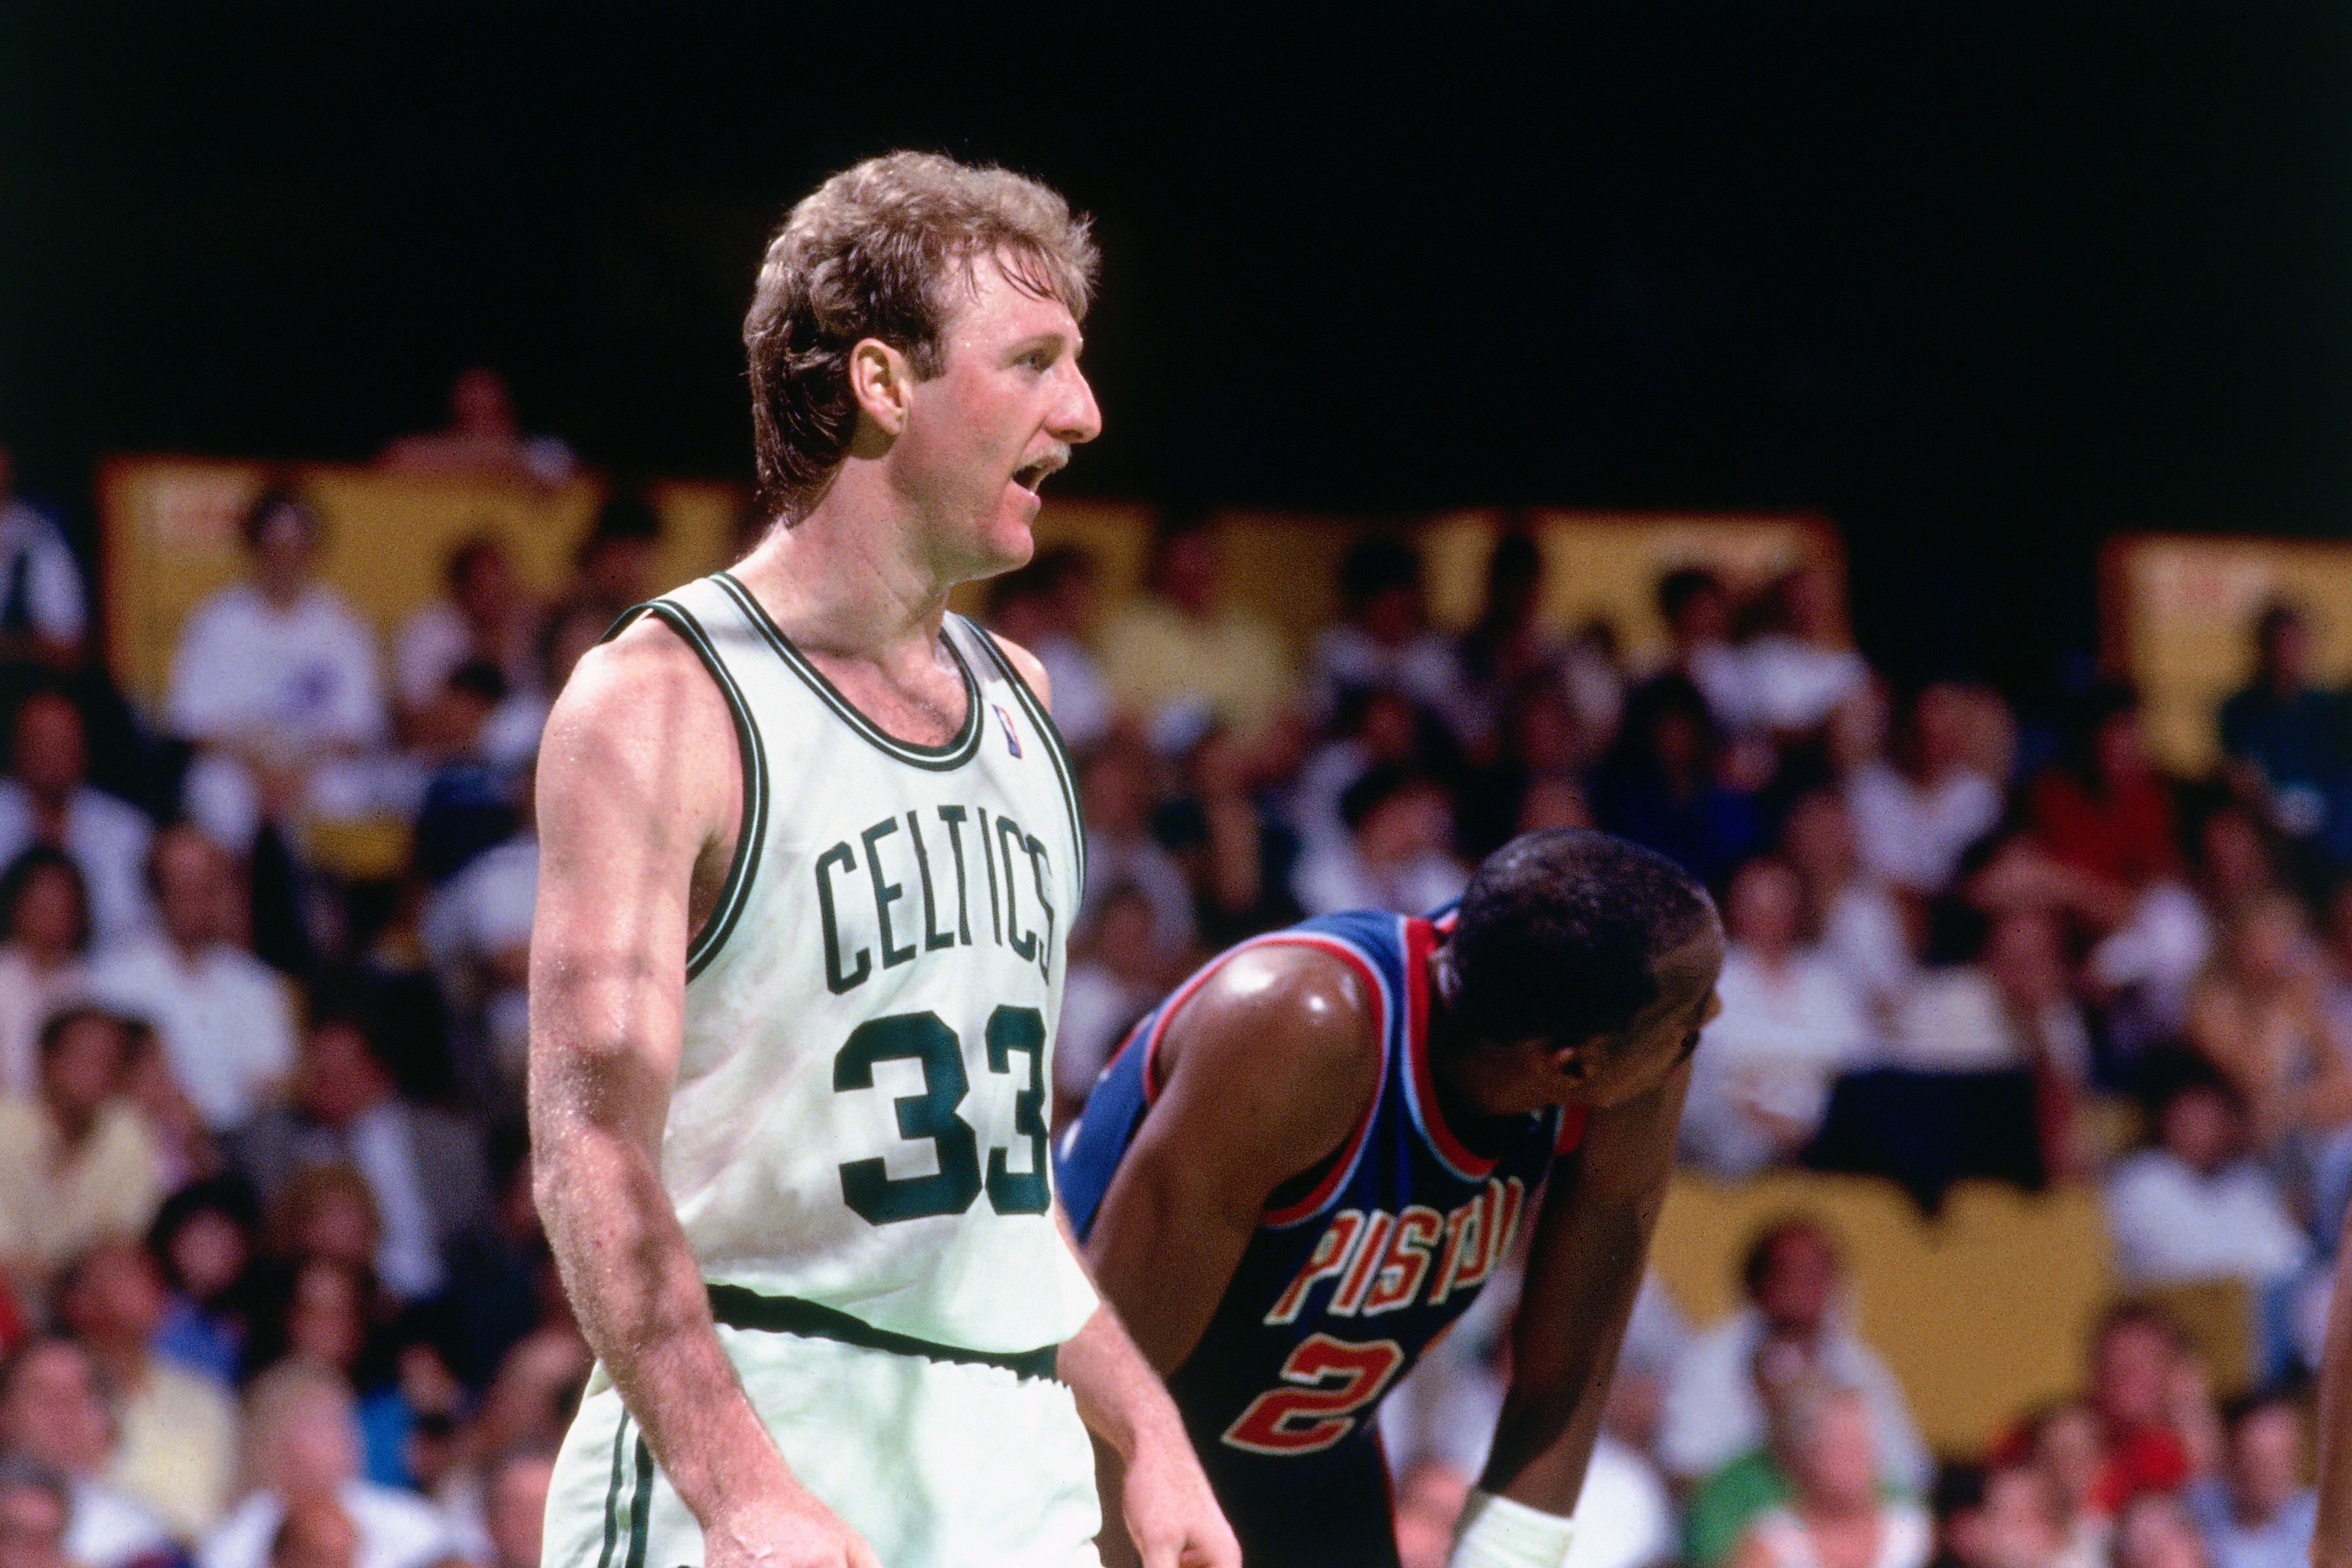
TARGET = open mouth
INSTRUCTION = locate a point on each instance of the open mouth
(1029, 476)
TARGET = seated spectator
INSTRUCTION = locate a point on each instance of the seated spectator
(1237, 856)
(475, 933)
(1505, 649)
(2259, 1512)
(2012, 1005)
(1713, 1412)
(2154, 1531)
(44, 616)
(46, 799)
(2259, 1017)
(2006, 1517)
(514, 1504)
(33, 1507)
(1383, 642)
(44, 936)
(1852, 920)
(2066, 1445)
(2130, 1434)
(75, 1161)
(223, 1016)
(483, 616)
(177, 1446)
(1835, 1514)
(1662, 785)
(1790, 1025)
(1696, 609)
(1371, 729)
(614, 567)
(1800, 667)
(53, 1409)
(1397, 855)
(316, 1533)
(183, 1141)
(423, 1167)
(2194, 1206)
(1533, 782)
(1184, 642)
(1915, 814)
(2106, 810)
(2284, 737)
(275, 680)
(483, 439)
(1116, 975)
(202, 1239)
(1114, 791)
(1048, 607)
(502, 1279)
(303, 1442)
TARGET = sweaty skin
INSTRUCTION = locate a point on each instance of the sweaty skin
(1269, 1065)
(639, 800)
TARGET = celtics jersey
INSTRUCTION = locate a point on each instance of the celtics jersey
(859, 1119)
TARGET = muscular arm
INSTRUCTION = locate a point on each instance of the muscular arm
(1268, 1066)
(638, 787)
(1584, 1268)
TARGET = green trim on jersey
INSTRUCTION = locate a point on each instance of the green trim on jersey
(1066, 772)
(752, 833)
(938, 759)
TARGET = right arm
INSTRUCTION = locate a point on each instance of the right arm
(1269, 1066)
(637, 794)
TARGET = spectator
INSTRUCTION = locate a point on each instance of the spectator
(614, 567)
(1799, 665)
(2006, 1517)
(2153, 1531)
(2066, 1445)
(33, 1507)
(1836, 1514)
(2107, 811)
(1913, 816)
(2259, 1017)
(475, 932)
(2285, 737)
(1861, 928)
(1383, 643)
(223, 1016)
(483, 616)
(1116, 975)
(422, 1168)
(2010, 1007)
(203, 1240)
(183, 1141)
(1532, 782)
(43, 617)
(1114, 791)
(1048, 607)
(303, 1442)
(53, 1410)
(2193, 1206)
(48, 799)
(1237, 856)
(1713, 1412)
(1696, 610)
(502, 1280)
(316, 1533)
(514, 1504)
(1790, 1025)
(483, 439)
(1371, 729)
(1398, 853)
(2132, 1354)
(178, 1432)
(2258, 1513)
(275, 679)
(75, 1161)
(1183, 642)
(1662, 787)
(44, 936)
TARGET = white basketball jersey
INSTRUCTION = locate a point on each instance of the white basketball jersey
(861, 1108)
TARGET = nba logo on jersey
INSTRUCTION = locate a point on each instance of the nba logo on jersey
(1012, 735)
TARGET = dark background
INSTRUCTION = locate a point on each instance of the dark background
(1983, 284)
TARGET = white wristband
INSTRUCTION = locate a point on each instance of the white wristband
(1495, 1532)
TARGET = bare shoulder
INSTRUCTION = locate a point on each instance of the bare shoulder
(1031, 668)
(1279, 1019)
(641, 730)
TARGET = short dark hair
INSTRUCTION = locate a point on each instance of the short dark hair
(19, 876)
(874, 253)
(1561, 934)
(1757, 1261)
(70, 1016)
(1680, 586)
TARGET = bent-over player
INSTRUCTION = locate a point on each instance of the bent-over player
(1306, 1163)
(809, 848)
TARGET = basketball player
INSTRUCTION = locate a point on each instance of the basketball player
(1306, 1163)
(809, 848)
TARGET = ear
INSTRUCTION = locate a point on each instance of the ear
(1575, 1062)
(882, 382)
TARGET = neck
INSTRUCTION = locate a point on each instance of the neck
(1462, 1095)
(849, 578)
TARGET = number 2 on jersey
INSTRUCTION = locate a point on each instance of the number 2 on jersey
(1312, 1416)
(925, 1039)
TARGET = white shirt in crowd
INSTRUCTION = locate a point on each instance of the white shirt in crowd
(1862, 936)
(1713, 1413)
(107, 839)
(396, 1529)
(53, 603)
(1955, 1021)
(1083, 709)
(1792, 684)
(1912, 835)
(1764, 1069)
(226, 1025)
(109, 1530)
(2171, 1226)
(301, 680)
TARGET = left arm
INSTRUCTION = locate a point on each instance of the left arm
(1585, 1268)
(1171, 1516)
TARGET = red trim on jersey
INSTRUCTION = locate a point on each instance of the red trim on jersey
(1571, 1130)
(1420, 942)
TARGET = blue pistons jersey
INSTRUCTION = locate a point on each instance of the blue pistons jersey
(1358, 1263)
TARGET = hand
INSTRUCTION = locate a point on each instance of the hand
(791, 1531)
(1171, 1515)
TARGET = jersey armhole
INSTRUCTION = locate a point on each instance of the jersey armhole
(752, 831)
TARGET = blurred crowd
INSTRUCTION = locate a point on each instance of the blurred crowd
(272, 1287)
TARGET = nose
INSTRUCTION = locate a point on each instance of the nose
(1078, 418)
